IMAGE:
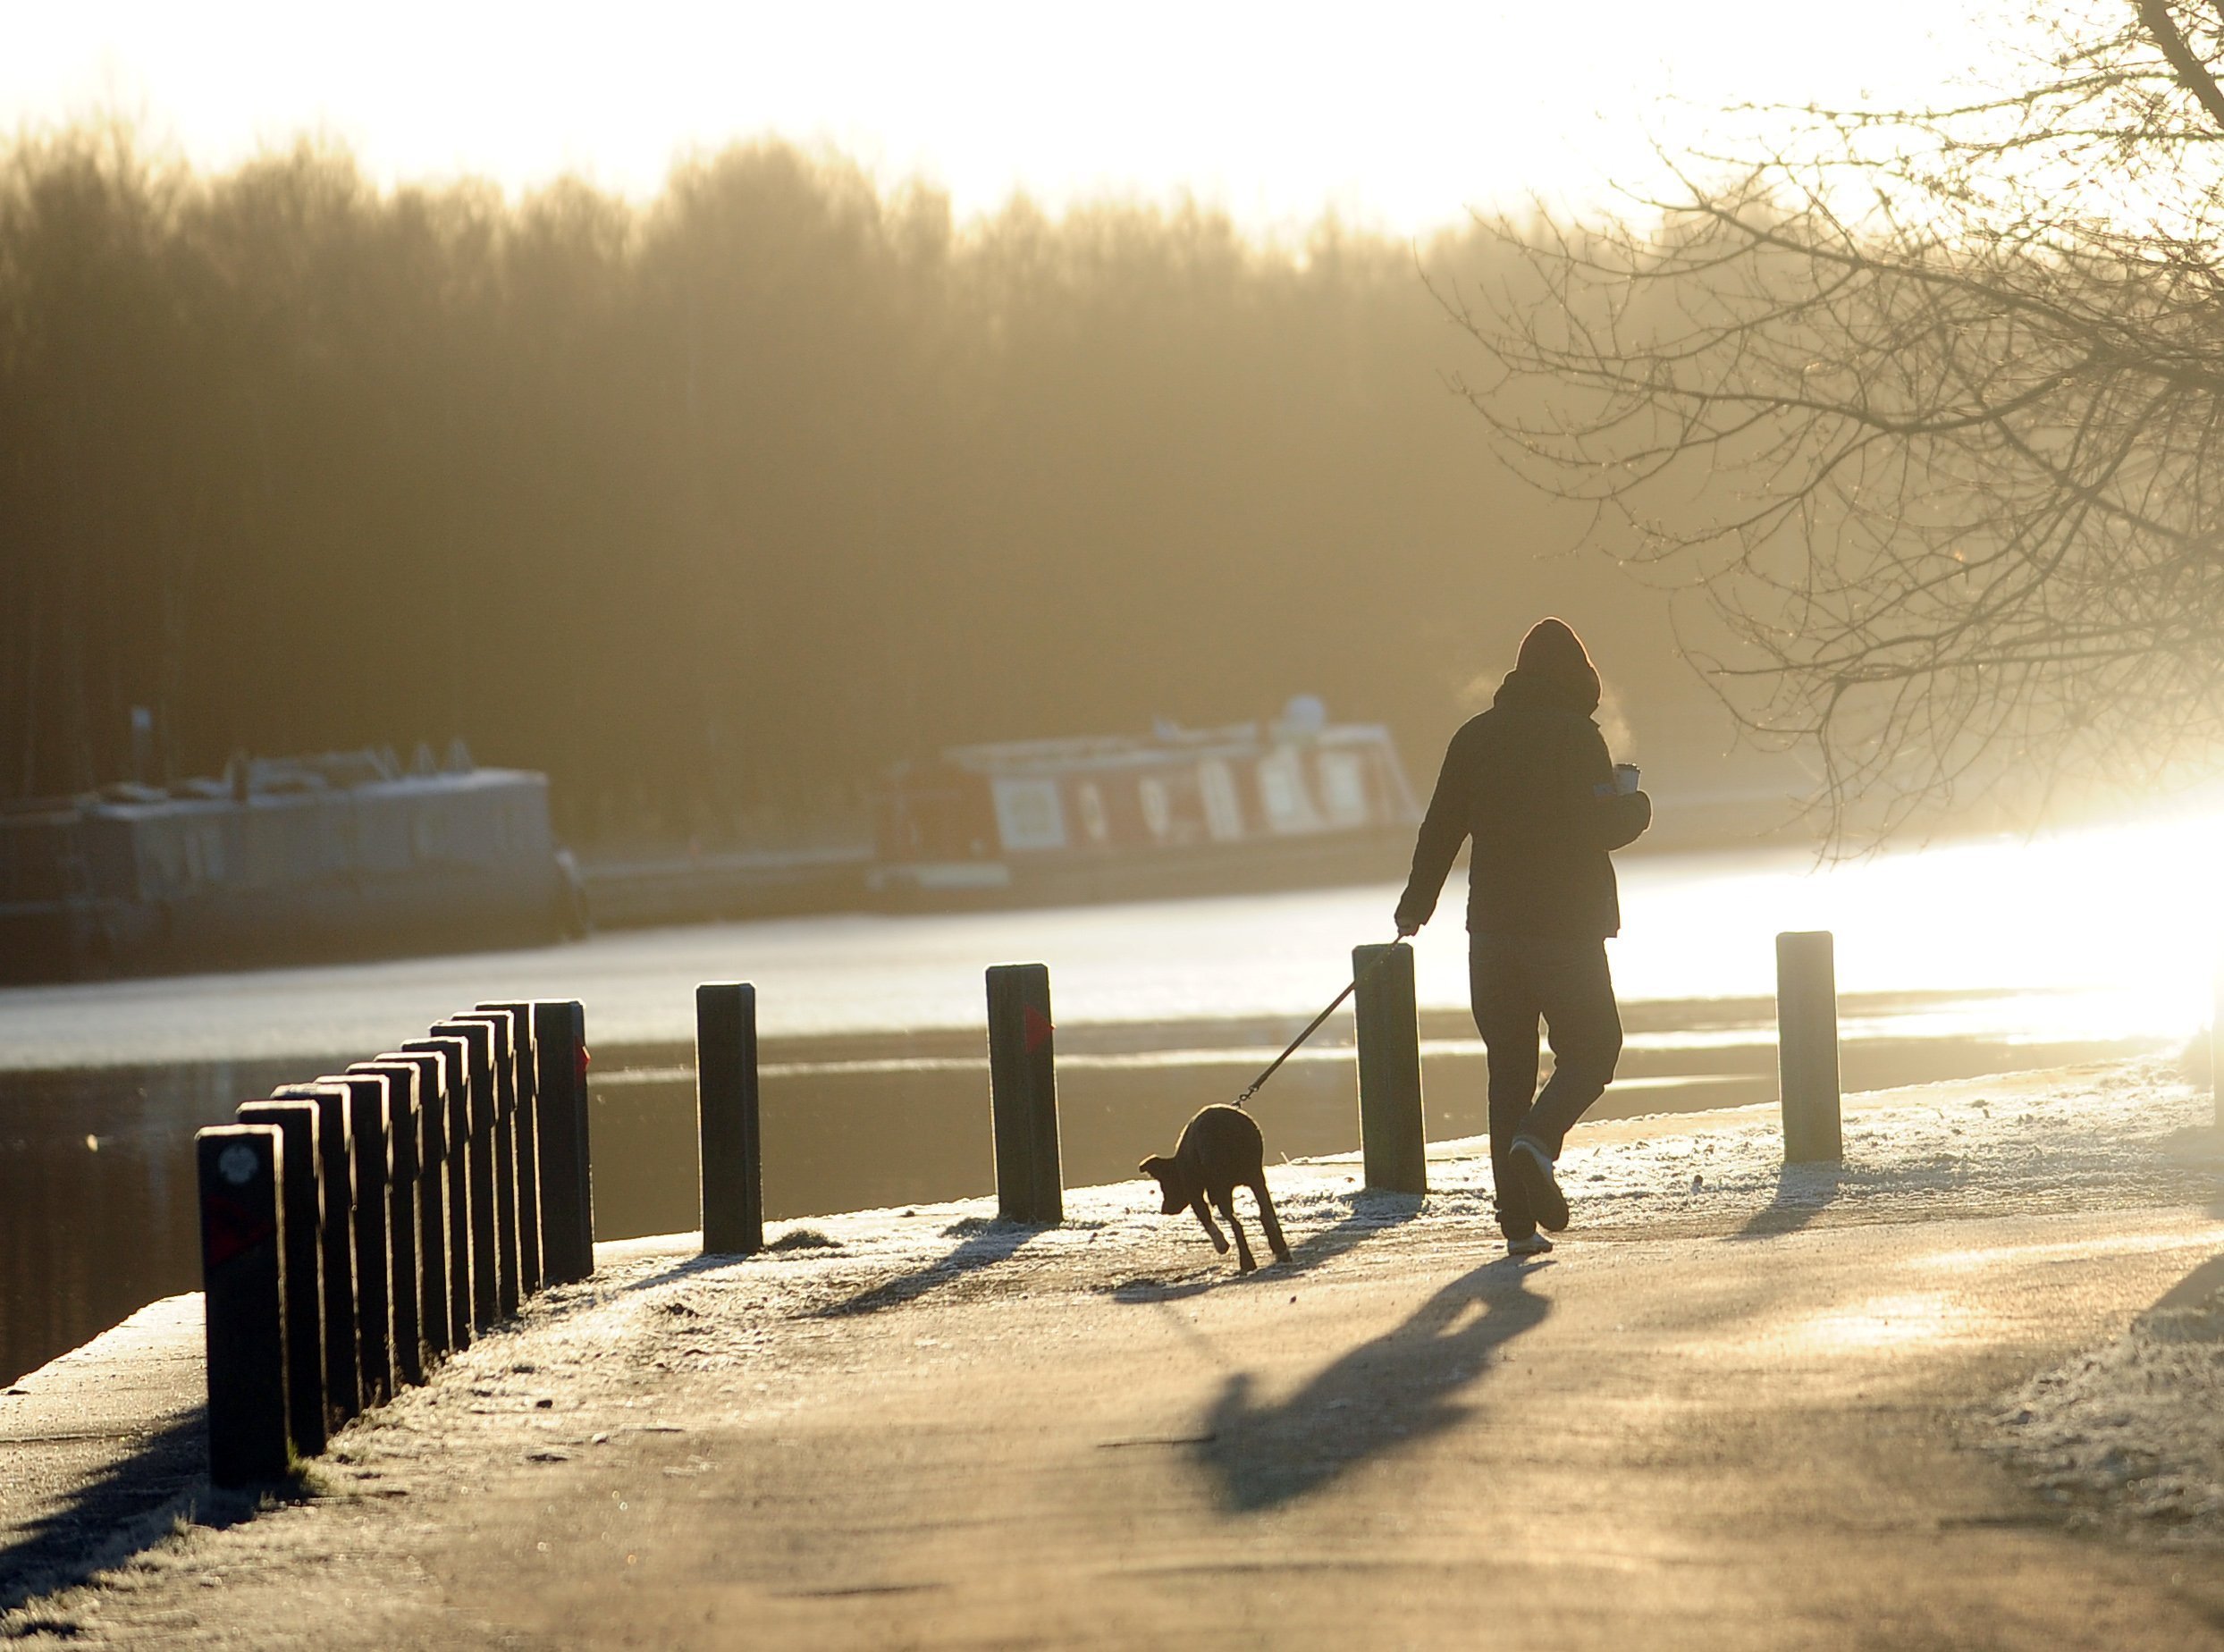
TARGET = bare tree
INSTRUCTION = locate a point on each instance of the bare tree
(1925, 407)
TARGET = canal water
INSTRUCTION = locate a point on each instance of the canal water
(1976, 958)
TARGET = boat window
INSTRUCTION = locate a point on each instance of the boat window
(1343, 787)
(1157, 812)
(1223, 813)
(1093, 816)
(1029, 815)
(1282, 789)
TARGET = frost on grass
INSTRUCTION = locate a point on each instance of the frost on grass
(804, 1239)
(2131, 1437)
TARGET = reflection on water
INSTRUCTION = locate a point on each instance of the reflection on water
(98, 1204)
(2100, 934)
(97, 1199)
(1971, 959)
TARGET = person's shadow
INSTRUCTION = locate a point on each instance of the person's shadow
(1399, 1387)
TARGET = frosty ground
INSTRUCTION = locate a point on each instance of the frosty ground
(1968, 1389)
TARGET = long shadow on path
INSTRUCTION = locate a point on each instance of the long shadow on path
(1803, 1192)
(1382, 1395)
(983, 1247)
(126, 1507)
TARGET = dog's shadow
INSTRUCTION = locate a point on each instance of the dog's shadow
(1371, 1212)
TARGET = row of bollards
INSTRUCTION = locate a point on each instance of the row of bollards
(1023, 1096)
(1022, 1084)
(358, 1228)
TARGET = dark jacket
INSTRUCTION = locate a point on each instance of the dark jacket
(1531, 781)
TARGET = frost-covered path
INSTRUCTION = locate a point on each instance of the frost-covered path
(1730, 1412)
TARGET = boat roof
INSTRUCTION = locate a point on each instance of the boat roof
(1166, 743)
(275, 780)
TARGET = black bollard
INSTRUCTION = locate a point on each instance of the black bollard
(430, 1197)
(302, 1192)
(455, 1131)
(479, 1166)
(369, 1111)
(405, 1282)
(1806, 1046)
(725, 1118)
(509, 1280)
(1392, 1133)
(243, 1287)
(532, 1266)
(567, 1174)
(335, 1148)
(1024, 1095)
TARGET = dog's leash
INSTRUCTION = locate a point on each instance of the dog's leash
(1312, 1027)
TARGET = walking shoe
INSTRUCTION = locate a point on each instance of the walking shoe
(1537, 1181)
(1531, 1245)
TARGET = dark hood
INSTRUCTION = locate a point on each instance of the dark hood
(1555, 664)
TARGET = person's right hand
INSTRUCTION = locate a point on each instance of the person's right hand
(1406, 929)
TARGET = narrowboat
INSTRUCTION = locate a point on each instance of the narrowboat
(1296, 802)
(283, 860)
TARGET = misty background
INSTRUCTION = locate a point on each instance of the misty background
(715, 504)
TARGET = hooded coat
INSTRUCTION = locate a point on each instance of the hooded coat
(1530, 780)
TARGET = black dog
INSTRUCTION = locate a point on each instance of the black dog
(1220, 1150)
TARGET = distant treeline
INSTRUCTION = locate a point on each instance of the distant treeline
(715, 506)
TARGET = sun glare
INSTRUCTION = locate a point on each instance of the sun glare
(2106, 933)
(1401, 116)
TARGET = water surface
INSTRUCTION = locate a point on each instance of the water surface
(1978, 959)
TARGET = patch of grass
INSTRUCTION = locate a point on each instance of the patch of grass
(804, 1239)
(53, 1628)
(967, 1227)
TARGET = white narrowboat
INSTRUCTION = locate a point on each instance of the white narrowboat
(1297, 802)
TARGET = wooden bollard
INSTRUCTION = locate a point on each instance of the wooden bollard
(526, 1131)
(374, 1250)
(560, 1052)
(2216, 1044)
(405, 1279)
(302, 1191)
(1024, 1095)
(725, 1118)
(1806, 1046)
(479, 1164)
(1392, 1132)
(503, 1064)
(455, 1134)
(335, 1150)
(430, 1194)
(243, 1285)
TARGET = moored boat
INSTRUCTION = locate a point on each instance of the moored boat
(283, 860)
(1297, 802)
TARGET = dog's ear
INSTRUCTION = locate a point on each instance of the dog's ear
(1156, 1166)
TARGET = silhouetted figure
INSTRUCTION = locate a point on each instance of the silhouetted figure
(1220, 1150)
(1531, 781)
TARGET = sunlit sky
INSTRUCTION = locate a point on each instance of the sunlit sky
(1397, 116)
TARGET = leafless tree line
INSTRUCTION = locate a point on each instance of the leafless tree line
(1921, 409)
(715, 505)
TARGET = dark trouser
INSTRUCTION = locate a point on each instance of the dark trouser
(1512, 982)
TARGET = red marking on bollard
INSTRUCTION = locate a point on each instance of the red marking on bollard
(230, 1227)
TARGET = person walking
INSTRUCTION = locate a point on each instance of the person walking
(1531, 781)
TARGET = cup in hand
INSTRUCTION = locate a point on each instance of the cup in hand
(1625, 779)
